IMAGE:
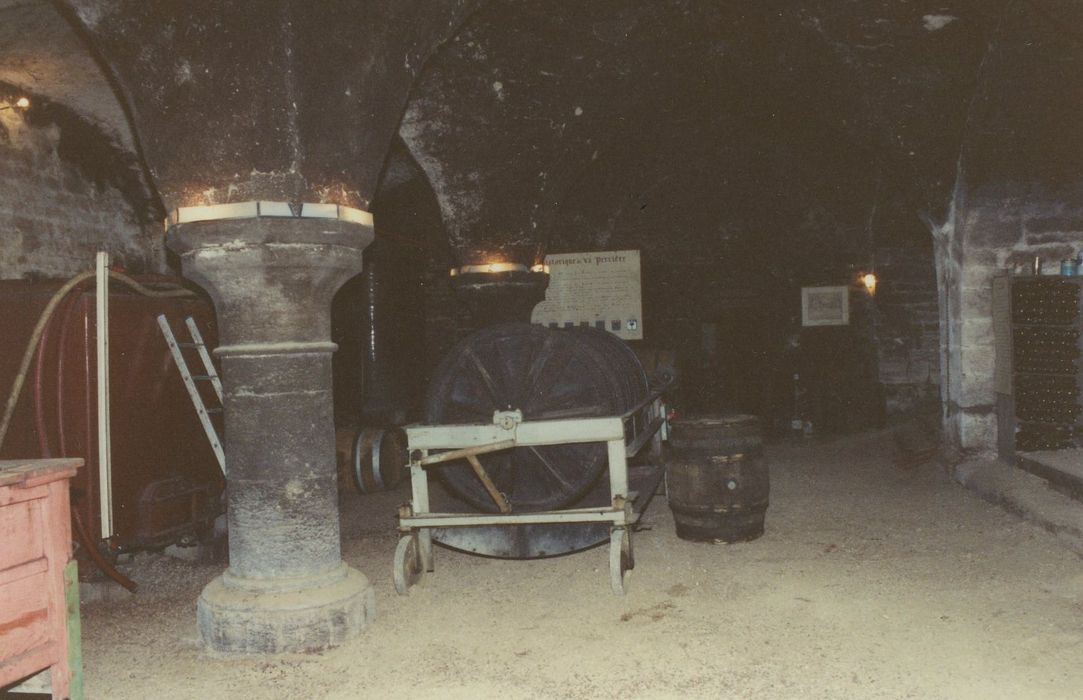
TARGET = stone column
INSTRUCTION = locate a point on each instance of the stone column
(272, 280)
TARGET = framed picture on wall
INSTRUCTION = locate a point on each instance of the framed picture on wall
(825, 306)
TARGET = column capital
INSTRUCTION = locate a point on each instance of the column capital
(266, 275)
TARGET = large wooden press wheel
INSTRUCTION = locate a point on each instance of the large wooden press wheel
(547, 374)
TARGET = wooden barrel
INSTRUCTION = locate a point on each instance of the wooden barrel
(717, 479)
(371, 459)
(728, 434)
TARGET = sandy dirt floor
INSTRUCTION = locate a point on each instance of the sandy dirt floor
(871, 582)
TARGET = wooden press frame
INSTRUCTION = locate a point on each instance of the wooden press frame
(644, 424)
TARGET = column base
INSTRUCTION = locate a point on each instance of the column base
(237, 620)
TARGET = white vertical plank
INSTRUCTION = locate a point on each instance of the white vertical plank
(105, 451)
(618, 468)
(419, 487)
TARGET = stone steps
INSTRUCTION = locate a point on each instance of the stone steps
(1063, 469)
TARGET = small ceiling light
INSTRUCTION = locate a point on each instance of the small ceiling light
(488, 268)
(21, 103)
(496, 267)
(869, 280)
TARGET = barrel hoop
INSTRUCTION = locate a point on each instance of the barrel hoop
(357, 461)
(738, 457)
(734, 427)
(746, 452)
(725, 445)
(376, 476)
(736, 509)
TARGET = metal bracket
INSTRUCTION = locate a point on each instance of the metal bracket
(507, 420)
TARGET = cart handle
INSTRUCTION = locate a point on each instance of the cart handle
(471, 456)
(466, 452)
(654, 394)
(500, 499)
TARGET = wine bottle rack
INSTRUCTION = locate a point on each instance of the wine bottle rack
(1047, 359)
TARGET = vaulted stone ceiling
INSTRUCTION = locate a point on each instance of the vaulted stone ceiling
(559, 123)
(713, 112)
(41, 54)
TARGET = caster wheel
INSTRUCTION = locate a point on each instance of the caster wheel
(621, 560)
(407, 567)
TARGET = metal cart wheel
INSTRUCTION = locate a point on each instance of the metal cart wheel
(621, 560)
(407, 568)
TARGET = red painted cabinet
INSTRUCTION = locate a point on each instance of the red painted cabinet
(35, 548)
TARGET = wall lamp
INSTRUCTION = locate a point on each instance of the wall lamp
(21, 103)
(496, 267)
(869, 280)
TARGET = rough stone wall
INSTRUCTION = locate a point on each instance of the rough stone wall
(999, 235)
(907, 328)
(1018, 194)
(446, 318)
(53, 219)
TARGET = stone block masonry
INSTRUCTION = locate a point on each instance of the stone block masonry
(1059, 218)
(908, 328)
(53, 218)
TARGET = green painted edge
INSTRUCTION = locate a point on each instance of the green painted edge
(75, 628)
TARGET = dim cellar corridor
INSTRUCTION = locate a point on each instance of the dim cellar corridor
(541, 349)
(871, 581)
